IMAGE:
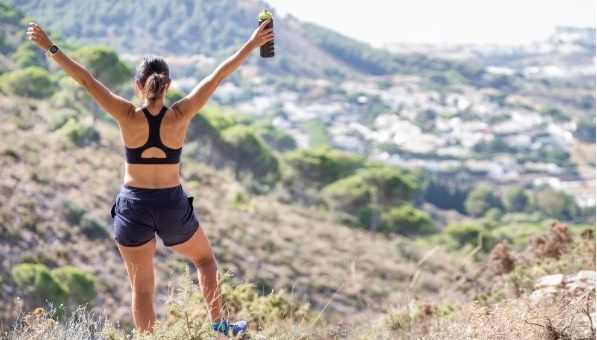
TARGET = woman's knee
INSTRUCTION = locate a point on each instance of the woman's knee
(143, 293)
(204, 261)
(142, 286)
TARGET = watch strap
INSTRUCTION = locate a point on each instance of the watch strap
(52, 50)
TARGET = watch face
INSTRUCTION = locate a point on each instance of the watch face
(54, 49)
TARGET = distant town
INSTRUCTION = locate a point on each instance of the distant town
(461, 118)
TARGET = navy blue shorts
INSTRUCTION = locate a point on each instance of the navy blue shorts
(141, 213)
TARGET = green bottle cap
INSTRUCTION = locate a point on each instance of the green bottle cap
(265, 15)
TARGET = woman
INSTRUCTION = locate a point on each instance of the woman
(152, 200)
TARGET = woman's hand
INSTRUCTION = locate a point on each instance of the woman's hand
(261, 35)
(39, 36)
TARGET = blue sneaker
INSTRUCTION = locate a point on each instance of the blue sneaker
(224, 327)
(239, 327)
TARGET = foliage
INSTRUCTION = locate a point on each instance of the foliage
(316, 168)
(39, 284)
(104, 64)
(368, 192)
(515, 199)
(275, 138)
(28, 55)
(444, 192)
(77, 133)
(391, 186)
(33, 82)
(406, 220)
(93, 227)
(123, 25)
(79, 324)
(553, 203)
(172, 96)
(481, 199)
(72, 210)
(241, 300)
(9, 14)
(465, 234)
(554, 113)
(61, 117)
(546, 154)
(426, 120)
(317, 134)
(347, 194)
(249, 154)
(80, 285)
(11, 33)
(586, 130)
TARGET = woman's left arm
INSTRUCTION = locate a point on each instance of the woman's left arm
(115, 105)
(189, 105)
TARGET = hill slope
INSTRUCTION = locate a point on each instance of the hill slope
(58, 194)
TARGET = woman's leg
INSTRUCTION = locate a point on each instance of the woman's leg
(139, 266)
(198, 250)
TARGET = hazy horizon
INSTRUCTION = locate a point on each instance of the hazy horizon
(507, 22)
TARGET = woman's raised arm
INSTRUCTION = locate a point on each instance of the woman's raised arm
(115, 105)
(191, 104)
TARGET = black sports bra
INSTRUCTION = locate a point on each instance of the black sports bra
(133, 155)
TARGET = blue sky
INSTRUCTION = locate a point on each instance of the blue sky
(437, 21)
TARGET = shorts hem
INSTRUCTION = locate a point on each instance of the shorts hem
(133, 246)
(196, 227)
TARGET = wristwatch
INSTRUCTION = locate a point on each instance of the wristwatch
(53, 49)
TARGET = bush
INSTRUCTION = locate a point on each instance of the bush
(554, 204)
(38, 283)
(407, 221)
(481, 199)
(81, 286)
(465, 234)
(32, 82)
(93, 227)
(72, 210)
(61, 117)
(28, 55)
(78, 134)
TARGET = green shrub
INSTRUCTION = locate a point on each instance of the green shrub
(28, 55)
(78, 134)
(93, 227)
(72, 210)
(81, 286)
(39, 285)
(406, 220)
(266, 312)
(466, 234)
(61, 117)
(32, 82)
(481, 199)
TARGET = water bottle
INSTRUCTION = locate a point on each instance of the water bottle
(267, 49)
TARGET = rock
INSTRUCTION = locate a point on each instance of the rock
(556, 280)
(543, 293)
(580, 287)
(584, 276)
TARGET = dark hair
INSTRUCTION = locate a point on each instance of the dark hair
(153, 74)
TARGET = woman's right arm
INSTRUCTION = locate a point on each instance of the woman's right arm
(115, 105)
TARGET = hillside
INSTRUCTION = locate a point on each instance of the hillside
(57, 197)
(186, 28)
(182, 28)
